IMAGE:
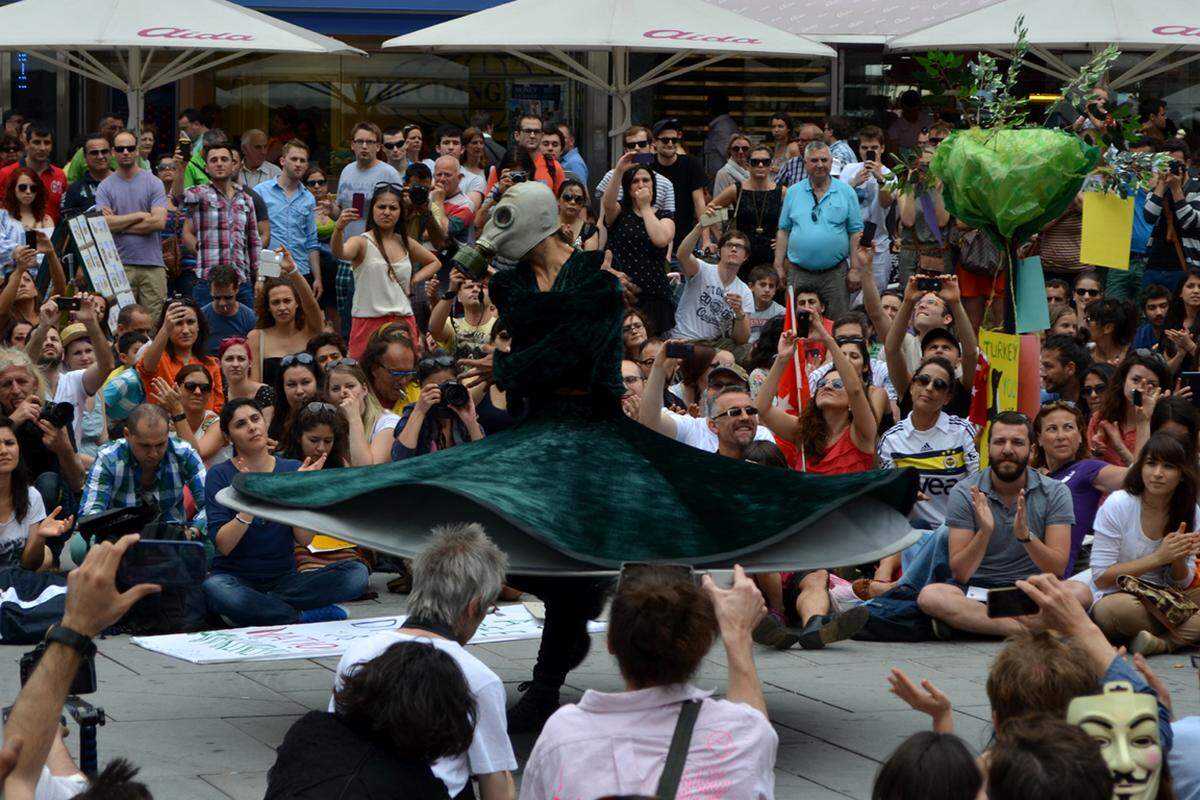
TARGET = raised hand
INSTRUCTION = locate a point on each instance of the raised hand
(928, 699)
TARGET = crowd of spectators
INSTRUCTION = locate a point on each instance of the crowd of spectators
(288, 318)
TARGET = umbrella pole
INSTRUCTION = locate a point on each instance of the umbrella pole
(1010, 308)
(135, 95)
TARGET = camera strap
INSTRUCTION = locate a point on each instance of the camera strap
(668, 782)
(432, 626)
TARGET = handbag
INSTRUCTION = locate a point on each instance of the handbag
(977, 253)
(171, 255)
(668, 782)
(1166, 604)
(123, 393)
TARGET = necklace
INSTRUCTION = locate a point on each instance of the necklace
(759, 211)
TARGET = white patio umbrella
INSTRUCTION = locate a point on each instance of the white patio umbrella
(682, 28)
(1133, 25)
(156, 42)
(852, 21)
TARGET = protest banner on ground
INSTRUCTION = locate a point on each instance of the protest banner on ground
(322, 639)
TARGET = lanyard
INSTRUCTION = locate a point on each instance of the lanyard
(432, 626)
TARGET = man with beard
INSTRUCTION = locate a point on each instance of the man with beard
(1007, 522)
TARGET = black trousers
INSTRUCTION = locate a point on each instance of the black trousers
(570, 603)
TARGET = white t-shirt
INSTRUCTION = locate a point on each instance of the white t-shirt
(694, 432)
(664, 192)
(1119, 539)
(490, 749)
(70, 390)
(353, 180)
(14, 532)
(943, 455)
(387, 422)
(703, 312)
(1185, 767)
(868, 202)
(58, 787)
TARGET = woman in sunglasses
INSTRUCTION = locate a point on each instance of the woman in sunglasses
(572, 215)
(835, 432)
(737, 166)
(235, 357)
(187, 402)
(443, 417)
(326, 216)
(371, 429)
(1112, 431)
(25, 200)
(1095, 383)
(386, 264)
(1088, 289)
(300, 381)
(756, 204)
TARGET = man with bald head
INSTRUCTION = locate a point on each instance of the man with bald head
(460, 210)
(255, 167)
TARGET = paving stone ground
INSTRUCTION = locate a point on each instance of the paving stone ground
(208, 732)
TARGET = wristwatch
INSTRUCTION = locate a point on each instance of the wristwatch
(1026, 540)
(73, 639)
(179, 418)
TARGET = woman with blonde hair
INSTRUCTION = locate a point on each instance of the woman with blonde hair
(372, 429)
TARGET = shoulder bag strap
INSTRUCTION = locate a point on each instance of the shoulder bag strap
(668, 782)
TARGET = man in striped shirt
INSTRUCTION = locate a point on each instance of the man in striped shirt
(1175, 241)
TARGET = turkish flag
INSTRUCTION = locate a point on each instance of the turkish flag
(793, 393)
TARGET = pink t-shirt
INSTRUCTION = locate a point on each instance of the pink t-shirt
(616, 743)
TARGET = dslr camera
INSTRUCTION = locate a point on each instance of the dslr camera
(60, 415)
(418, 195)
(84, 681)
(454, 395)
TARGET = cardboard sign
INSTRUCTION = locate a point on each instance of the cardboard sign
(1033, 314)
(1003, 351)
(1107, 230)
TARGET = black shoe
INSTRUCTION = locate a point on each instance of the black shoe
(831, 628)
(772, 632)
(530, 713)
(941, 631)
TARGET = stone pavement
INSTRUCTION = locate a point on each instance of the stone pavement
(208, 732)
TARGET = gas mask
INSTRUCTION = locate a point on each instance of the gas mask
(1125, 724)
(526, 214)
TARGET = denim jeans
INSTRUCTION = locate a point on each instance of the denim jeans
(202, 293)
(279, 600)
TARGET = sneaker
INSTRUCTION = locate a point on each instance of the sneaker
(323, 614)
(530, 713)
(1148, 644)
(772, 632)
(831, 628)
(941, 631)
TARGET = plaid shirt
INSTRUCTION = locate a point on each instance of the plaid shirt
(115, 481)
(791, 172)
(226, 230)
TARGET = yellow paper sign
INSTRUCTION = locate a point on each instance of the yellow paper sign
(1107, 230)
(1003, 351)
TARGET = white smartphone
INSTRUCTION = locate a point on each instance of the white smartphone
(268, 264)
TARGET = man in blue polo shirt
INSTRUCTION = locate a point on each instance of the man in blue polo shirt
(291, 208)
(819, 229)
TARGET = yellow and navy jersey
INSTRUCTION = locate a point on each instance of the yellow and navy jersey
(943, 455)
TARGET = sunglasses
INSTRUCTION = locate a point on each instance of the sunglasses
(936, 139)
(387, 186)
(10, 150)
(197, 388)
(295, 358)
(317, 407)
(833, 383)
(344, 362)
(574, 199)
(745, 149)
(638, 145)
(1087, 391)
(738, 411)
(25, 187)
(760, 162)
(814, 213)
(103, 152)
(125, 148)
(1087, 292)
(668, 139)
(435, 363)
(850, 340)
(393, 145)
(925, 379)
(317, 182)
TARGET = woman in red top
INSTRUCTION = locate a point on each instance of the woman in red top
(182, 334)
(836, 431)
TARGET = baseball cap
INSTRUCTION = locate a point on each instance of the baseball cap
(734, 370)
(73, 332)
(668, 124)
(940, 333)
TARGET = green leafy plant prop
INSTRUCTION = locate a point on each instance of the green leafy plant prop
(995, 93)
(1125, 172)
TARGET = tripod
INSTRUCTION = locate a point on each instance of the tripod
(88, 717)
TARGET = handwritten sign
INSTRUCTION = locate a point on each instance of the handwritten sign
(323, 639)
(1003, 351)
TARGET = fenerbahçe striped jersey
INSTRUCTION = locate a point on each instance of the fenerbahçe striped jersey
(943, 455)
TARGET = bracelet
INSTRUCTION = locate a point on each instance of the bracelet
(247, 523)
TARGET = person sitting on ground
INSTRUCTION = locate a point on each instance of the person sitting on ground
(326, 349)
(1062, 456)
(226, 317)
(182, 338)
(456, 578)
(929, 766)
(254, 579)
(444, 416)
(26, 527)
(299, 382)
(193, 421)
(371, 428)
(661, 626)
(390, 362)
(1006, 523)
(1064, 361)
(234, 357)
(394, 716)
(1149, 531)
(147, 465)
(1112, 430)
(1112, 324)
(1042, 755)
